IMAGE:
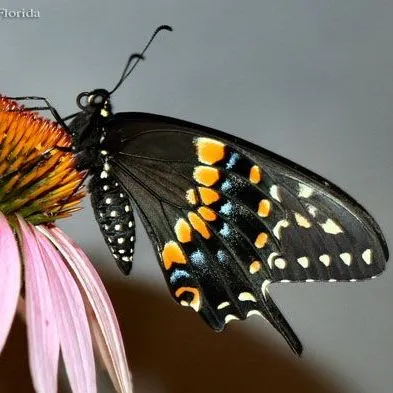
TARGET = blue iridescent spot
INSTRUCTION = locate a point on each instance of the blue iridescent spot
(198, 258)
(221, 256)
(225, 230)
(226, 209)
(178, 275)
(233, 160)
(226, 186)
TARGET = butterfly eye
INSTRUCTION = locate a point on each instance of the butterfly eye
(82, 100)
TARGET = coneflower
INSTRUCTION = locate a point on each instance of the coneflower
(43, 274)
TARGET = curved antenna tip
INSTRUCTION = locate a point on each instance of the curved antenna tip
(164, 27)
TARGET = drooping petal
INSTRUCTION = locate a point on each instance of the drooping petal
(10, 278)
(99, 301)
(72, 324)
(42, 334)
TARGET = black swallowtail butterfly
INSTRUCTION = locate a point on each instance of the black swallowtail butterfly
(226, 217)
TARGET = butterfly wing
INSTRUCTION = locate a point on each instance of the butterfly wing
(227, 218)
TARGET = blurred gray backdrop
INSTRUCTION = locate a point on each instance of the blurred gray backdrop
(309, 79)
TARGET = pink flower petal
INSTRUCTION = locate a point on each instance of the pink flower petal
(73, 327)
(42, 332)
(99, 301)
(10, 278)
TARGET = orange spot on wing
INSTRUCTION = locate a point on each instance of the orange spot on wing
(191, 196)
(208, 196)
(172, 253)
(261, 240)
(255, 174)
(199, 225)
(255, 267)
(264, 208)
(209, 150)
(206, 175)
(207, 213)
(183, 231)
(195, 303)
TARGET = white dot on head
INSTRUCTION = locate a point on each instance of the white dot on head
(108, 201)
(106, 167)
(117, 227)
(127, 208)
(113, 213)
(103, 152)
(116, 184)
(121, 195)
(130, 224)
(120, 240)
(104, 175)
(105, 187)
(102, 138)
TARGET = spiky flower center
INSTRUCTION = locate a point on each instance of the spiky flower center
(38, 179)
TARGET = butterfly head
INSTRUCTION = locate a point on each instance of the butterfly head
(95, 102)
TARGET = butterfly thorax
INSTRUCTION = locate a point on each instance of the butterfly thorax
(87, 128)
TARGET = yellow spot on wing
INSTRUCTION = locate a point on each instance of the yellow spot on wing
(264, 208)
(183, 231)
(209, 150)
(255, 267)
(207, 213)
(261, 240)
(302, 221)
(172, 253)
(199, 225)
(208, 196)
(255, 174)
(191, 196)
(195, 303)
(206, 175)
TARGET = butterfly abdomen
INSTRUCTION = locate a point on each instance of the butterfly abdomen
(115, 217)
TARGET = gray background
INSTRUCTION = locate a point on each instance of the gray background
(309, 79)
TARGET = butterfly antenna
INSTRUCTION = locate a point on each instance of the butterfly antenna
(138, 56)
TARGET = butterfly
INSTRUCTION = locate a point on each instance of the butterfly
(226, 217)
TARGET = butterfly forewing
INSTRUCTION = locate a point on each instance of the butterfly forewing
(227, 218)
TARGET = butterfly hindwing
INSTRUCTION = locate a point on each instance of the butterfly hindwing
(227, 218)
